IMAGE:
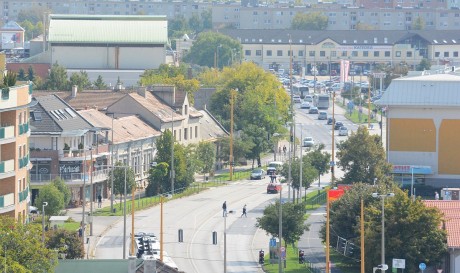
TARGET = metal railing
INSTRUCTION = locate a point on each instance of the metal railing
(23, 195)
(71, 177)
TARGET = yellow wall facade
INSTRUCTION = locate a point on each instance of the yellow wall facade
(412, 135)
(449, 155)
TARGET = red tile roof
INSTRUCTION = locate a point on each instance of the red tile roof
(451, 211)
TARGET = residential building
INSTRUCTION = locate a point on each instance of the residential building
(422, 129)
(12, 36)
(15, 102)
(64, 144)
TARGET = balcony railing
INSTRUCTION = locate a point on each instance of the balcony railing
(6, 132)
(23, 128)
(71, 177)
(7, 166)
(23, 195)
(23, 161)
(6, 200)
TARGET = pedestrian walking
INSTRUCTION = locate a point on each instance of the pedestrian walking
(436, 195)
(284, 150)
(244, 211)
(224, 209)
(99, 201)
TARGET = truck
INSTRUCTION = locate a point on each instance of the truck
(321, 101)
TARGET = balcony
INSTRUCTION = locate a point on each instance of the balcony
(6, 202)
(24, 194)
(6, 168)
(72, 178)
(6, 133)
(23, 162)
(23, 128)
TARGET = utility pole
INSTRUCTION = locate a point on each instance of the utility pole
(232, 98)
(292, 135)
(92, 195)
(172, 152)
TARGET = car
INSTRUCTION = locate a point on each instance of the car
(330, 121)
(33, 210)
(343, 131)
(308, 98)
(305, 105)
(274, 167)
(338, 125)
(313, 110)
(296, 99)
(258, 174)
(308, 142)
(273, 187)
(322, 115)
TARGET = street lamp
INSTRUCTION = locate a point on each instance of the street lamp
(43, 221)
(383, 196)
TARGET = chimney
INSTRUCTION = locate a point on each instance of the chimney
(132, 264)
(141, 91)
(74, 90)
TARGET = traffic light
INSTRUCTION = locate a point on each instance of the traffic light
(301, 257)
(341, 245)
(349, 250)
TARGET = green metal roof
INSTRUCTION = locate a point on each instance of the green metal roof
(124, 29)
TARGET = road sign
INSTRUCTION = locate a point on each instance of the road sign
(399, 263)
(379, 75)
(422, 266)
(332, 163)
(272, 242)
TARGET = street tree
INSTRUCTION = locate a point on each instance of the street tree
(363, 158)
(66, 242)
(57, 79)
(309, 173)
(240, 149)
(118, 174)
(293, 221)
(206, 154)
(211, 47)
(30, 74)
(309, 21)
(319, 159)
(81, 80)
(158, 177)
(63, 188)
(21, 248)
(55, 199)
(409, 226)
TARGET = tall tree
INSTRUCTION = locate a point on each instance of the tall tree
(66, 242)
(319, 160)
(293, 222)
(21, 248)
(21, 75)
(309, 21)
(63, 188)
(57, 79)
(30, 74)
(81, 80)
(118, 174)
(206, 154)
(99, 83)
(158, 177)
(55, 199)
(309, 173)
(363, 158)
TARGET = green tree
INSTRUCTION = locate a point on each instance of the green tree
(319, 160)
(21, 248)
(57, 79)
(195, 23)
(206, 16)
(66, 242)
(423, 65)
(418, 23)
(21, 75)
(55, 199)
(158, 176)
(99, 83)
(309, 21)
(177, 27)
(63, 188)
(206, 154)
(33, 15)
(210, 44)
(118, 173)
(406, 236)
(30, 74)
(28, 29)
(362, 158)
(240, 149)
(9, 79)
(309, 173)
(293, 221)
(81, 80)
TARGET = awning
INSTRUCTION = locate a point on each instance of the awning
(409, 169)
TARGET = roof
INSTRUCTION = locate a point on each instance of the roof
(99, 99)
(427, 90)
(343, 37)
(451, 211)
(66, 120)
(156, 107)
(11, 26)
(125, 129)
(121, 29)
(211, 129)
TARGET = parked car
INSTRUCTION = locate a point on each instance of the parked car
(330, 120)
(258, 174)
(313, 110)
(308, 142)
(33, 210)
(338, 125)
(305, 105)
(343, 131)
(273, 188)
(322, 115)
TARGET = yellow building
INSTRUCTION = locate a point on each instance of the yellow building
(423, 126)
(14, 151)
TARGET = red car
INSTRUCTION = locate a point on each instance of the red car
(273, 188)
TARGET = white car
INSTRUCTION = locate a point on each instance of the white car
(343, 131)
(308, 142)
(305, 105)
(296, 99)
(308, 98)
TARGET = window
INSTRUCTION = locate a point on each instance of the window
(354, 53)
(398, 53)
(175, 138)
(185, 133)
(279, 53)
(322, 53)
(409, 54)
(186, 110)
(247, 52)
(289, 53)
(365, 53)
(436, 54)
(180, 134)
(258, 52)
(269, 53)
(196, 131)
(300, 53)
(376, 53)
(19, 184)
(455, 54)
(333, 53)
(191, 133)
(344, 54)
(387, 54)
(446, 54)
(20, 151)
(23, 182)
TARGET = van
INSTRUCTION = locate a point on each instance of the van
(274, 167)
